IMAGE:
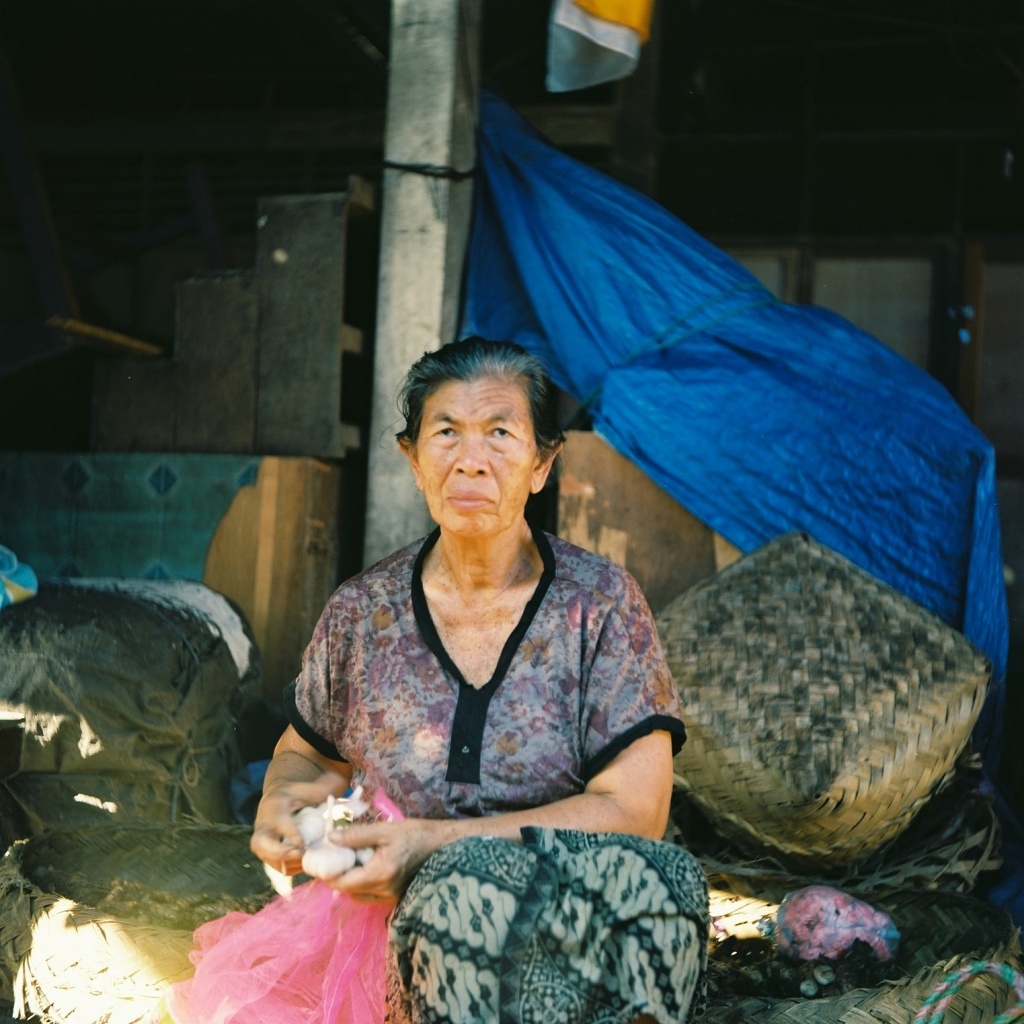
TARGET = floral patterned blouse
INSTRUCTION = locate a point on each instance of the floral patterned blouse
(580, 678)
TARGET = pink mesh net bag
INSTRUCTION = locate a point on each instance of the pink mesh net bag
(315, 956)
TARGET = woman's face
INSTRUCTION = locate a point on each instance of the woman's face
(476, 459)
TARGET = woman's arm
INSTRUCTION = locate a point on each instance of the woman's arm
(630, 795)
(298, 776)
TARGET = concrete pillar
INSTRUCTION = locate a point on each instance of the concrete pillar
(430, 130)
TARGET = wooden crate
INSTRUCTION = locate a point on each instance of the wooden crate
(134, 404)
(275, 553)
(608, 505)
(304, 339)
(216, 329)
(265, 361)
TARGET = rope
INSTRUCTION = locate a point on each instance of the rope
(431, 170)
(938, 1002)
(187, 773)
(666, 338)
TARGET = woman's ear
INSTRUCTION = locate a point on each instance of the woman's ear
(541, 472)
(408, 449)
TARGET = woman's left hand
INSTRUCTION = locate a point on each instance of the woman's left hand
(611, 802)
(399, 849)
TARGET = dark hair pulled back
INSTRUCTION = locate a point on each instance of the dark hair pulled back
(473, 359)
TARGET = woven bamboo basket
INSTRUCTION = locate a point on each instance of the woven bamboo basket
(96, 923)
(940, 933)
(823, 708)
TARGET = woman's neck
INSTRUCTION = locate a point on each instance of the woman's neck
(483, 567)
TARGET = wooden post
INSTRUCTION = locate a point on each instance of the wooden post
(429, 142)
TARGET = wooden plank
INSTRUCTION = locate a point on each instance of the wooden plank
(80, 333)
(134, 405)
(216, 349)
(608, 505)
(275, 553)
(311, 493)
(434, 59)
(268, 488)
(300, 267)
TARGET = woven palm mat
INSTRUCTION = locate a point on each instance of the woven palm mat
(922, 881)
(940, 932)
(823, 708)
(950, 845)
(96, 922)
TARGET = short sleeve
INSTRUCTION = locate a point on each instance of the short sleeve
(315, 696)
(629, 690)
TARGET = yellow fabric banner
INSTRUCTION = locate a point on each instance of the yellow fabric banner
(634, 14)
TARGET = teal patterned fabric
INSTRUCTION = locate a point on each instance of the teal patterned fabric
(121, 514)
(566, 928)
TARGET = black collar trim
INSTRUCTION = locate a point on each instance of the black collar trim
(471, 709)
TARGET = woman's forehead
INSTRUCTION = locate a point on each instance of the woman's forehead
(487, 397)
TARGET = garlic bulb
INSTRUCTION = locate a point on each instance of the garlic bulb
(323, 858)
(311, 823)
(326, 860)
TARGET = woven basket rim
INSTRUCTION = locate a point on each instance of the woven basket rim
(823, 708)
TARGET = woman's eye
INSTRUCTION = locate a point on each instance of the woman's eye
(501, 432)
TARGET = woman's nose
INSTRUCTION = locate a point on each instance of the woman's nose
(471, 458)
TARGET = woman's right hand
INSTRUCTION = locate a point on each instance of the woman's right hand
(297, 776)
(275, 837)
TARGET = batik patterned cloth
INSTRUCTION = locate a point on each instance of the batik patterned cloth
(566, 928)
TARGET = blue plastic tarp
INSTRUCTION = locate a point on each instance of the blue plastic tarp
(760, 417)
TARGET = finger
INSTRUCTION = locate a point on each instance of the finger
(271, 846)
(281, 831)
(363, 881)
(356, 835)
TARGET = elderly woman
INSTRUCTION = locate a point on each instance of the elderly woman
(508, 691)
